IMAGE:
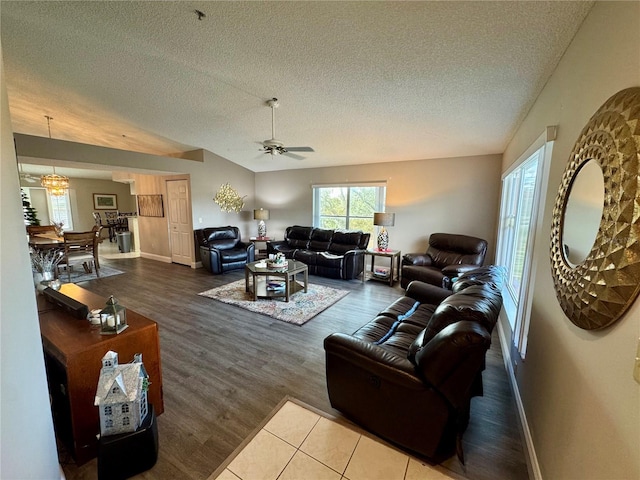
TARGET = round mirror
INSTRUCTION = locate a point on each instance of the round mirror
(598, 290)
(583, 213)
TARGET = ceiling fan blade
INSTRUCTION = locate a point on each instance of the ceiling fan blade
(294, 156)
(300, 149)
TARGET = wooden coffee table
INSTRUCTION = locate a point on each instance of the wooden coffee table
(260, 279)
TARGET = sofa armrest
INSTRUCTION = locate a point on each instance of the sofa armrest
(274, 246)
(417, 259)
(452, 359)
(375, 359)
(452, 271)
(427, 293)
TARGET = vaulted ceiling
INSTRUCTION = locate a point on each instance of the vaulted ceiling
(359, 82)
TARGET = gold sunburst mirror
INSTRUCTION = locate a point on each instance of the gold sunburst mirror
(597, 289)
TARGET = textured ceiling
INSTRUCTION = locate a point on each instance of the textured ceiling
(360, 82)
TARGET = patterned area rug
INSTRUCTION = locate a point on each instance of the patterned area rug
(301, 307)
(78, 274)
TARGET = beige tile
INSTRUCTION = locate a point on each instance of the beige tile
(263, 458)
(331, 444)
(374, 461)
(303, 466)
(226, 475)
(292, 423)
(423, 471)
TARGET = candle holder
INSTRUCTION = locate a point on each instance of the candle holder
(113, 318)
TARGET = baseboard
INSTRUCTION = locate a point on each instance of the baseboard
(153, 256)
(530, 451)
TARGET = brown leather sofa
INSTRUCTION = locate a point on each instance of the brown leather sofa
(447, 256)
(329, 253)
(409, 374)
(221, 249)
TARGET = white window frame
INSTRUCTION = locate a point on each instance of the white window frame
(380, 206)
(518, 310)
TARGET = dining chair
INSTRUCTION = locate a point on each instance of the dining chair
(81, 248)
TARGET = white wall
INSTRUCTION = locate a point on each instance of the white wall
(580, 399)
(27, 442)
(453, 195)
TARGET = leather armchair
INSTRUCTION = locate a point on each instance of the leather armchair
(448, 256)
(222, 249)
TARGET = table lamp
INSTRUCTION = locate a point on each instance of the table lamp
(261, 215)
(383, 220)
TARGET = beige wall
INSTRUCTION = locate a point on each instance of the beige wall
(27, 442)
(579, 396)
(456, 195)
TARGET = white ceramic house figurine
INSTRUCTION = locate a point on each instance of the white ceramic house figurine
(122, 394)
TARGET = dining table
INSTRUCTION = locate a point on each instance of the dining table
(46, 240)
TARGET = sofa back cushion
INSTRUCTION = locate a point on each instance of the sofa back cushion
(320, 239)
(223, 238)
(451, 249)
(342, 241)
(298, 237)
(477, 303)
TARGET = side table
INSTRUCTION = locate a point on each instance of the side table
(392, 274)
(260, 254)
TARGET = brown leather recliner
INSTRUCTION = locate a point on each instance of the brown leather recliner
(409, 374)
(448, 256)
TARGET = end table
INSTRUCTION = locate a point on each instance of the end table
(392, 274)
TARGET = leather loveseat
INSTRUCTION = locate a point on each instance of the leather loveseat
(329, 253)
(222, 249)
(409, 374)
(447, 256)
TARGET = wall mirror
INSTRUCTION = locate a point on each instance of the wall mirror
(583, 213)
(597, 287)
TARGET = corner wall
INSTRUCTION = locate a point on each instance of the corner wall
(27, 442)
(581, 401)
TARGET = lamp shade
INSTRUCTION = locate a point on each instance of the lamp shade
(261, 214)
(384, 219)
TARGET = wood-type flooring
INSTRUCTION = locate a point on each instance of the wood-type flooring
(224, 369)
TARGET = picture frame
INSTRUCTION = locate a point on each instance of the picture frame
(105, 201)
(150, 206)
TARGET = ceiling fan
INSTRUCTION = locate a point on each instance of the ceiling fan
(27, 177)
(276, 147)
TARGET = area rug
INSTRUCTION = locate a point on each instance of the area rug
(297, 441)
(79, 275)
(301, 307)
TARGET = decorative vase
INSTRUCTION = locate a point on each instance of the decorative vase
(262, 229)
(383, 240)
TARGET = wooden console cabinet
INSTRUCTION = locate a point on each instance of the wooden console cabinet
(73, 350)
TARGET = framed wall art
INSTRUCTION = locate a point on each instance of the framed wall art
(105, 201)
(150, 206)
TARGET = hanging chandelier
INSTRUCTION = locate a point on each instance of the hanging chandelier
(55, 184)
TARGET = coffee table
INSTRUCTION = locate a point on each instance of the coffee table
(260, 279)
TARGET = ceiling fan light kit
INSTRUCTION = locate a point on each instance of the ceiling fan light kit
(276, 147)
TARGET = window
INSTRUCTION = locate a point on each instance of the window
(125, 421)
(107, 410)
(125, 408)
(349, 207)
(60, 209)
(108, 423)
(521, 200)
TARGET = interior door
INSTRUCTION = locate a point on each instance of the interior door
(180, 229)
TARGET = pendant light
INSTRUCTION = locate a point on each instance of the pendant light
(55, 184)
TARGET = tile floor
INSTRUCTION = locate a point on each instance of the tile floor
(297, 443)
